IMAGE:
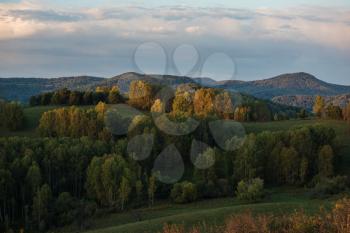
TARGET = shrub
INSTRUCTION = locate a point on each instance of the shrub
(252, 190)
(184, 192)
(330, 186)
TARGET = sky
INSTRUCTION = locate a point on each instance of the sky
(223, 39)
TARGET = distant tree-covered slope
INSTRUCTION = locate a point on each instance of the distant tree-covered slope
(21, 89)
(307, 101)
(287, 84)
(123, 81)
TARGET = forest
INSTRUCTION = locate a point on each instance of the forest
(103, 159)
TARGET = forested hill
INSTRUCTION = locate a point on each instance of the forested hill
(21, 89)
(123, 81)
(308, 101)
(287, 84)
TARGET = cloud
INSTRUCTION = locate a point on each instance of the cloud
(325, 26)
(263, 42)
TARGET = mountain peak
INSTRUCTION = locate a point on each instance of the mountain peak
(299, 80)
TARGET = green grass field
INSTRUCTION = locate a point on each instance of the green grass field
(214, 211)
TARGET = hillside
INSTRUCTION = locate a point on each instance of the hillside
(307, 101)
(294, 84)
(124, 80)
(286, 84)
(21, 89)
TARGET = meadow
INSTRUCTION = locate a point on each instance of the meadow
(278, 201)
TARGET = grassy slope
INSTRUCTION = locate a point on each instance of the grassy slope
(213, 211)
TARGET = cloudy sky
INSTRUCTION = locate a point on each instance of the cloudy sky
(242, 39)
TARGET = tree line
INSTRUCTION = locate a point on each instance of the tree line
(330, 111)
(193, 100)
(75, 122)
(67, 97)
(187, 100)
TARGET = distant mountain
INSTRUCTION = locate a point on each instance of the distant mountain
(123, 81)
(206, 81)
(21, 89)
(307, 101)
(295, 84)
(286, 84)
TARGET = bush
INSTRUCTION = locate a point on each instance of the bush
(330, 186)
(252, 190)
(184, 192)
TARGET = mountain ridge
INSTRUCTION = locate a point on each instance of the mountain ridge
(290, 84)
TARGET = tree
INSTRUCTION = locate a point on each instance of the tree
(75, 98)
(87, 98)
(46, 98)
(325, 161)
(34, 100)
(246, 163)
(33, 177)
(114, 96)
(64, 206)
(93, 184)
(251, 190)
(41, 206)
(139, 190)
(158, 106)
(12, 116)
(223, 105)
(334, 112)
(101, 109)
(242, 113)
(346, 113)
(304, 169)
(152, 187)
(124, 191)
(55, 99)
(290, 163)
(183, 103)
(6, 192)
(184, 192)
(302, 114)
(141, 95)
(110, 180)
(203, 102)
(261, 111)
(319, 106)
